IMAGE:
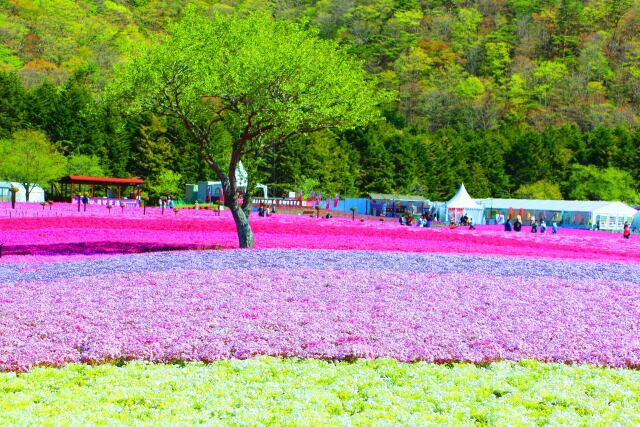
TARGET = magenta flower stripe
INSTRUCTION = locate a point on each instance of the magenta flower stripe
(90, 235)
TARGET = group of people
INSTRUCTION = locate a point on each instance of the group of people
(169, 203)
(423, 220)
(536, 226)
(464, 221)
(267, 211)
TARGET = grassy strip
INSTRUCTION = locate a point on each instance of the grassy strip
(272, 391)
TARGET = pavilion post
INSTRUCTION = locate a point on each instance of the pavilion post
(93, 190)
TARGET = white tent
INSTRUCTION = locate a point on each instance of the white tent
(35, 196)
(462, 204)
(612, 216)
(570, 213)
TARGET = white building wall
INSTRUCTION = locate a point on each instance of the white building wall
(36, 195)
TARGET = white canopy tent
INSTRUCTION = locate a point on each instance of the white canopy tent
(569, 213)
(462, 204)
(613, 216)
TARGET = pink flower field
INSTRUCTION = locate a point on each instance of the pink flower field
(182, 314)
(99, 287)
(97, 232)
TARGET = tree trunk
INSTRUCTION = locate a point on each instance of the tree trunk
(239, 211)
(245, 234)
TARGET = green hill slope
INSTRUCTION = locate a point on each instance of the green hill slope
(472, 63)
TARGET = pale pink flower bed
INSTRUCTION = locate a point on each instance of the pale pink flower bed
(336, 314)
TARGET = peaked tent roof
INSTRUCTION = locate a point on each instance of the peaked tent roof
(462, 200)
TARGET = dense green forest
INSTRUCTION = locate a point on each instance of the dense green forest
(520, 98)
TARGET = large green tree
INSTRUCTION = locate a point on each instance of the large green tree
(539, 190)
(263, 80)
(12, 104)
(30, 159)
(82, 164)
(591, 183)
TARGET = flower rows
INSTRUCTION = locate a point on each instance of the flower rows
(69, 267)
(320, 312)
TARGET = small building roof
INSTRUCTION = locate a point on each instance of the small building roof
(398, 197)
(462, 200)
(77, 179)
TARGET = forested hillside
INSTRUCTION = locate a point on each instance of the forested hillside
(525, 98)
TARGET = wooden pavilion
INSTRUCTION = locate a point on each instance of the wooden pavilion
(109, 188)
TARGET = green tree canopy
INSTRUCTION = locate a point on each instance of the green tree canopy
(539, 190)
(264, 80)
(82, 164)
(166, 183)
(30, 159)
(591, 183)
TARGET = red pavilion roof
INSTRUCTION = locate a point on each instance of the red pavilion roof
(76, 179)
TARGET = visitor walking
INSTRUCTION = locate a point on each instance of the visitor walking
(534, 227)
(409, 219)
(507, 225)
(554, 227)
(626, 231)
(85, 201)
(543, 226)
(517, 226)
